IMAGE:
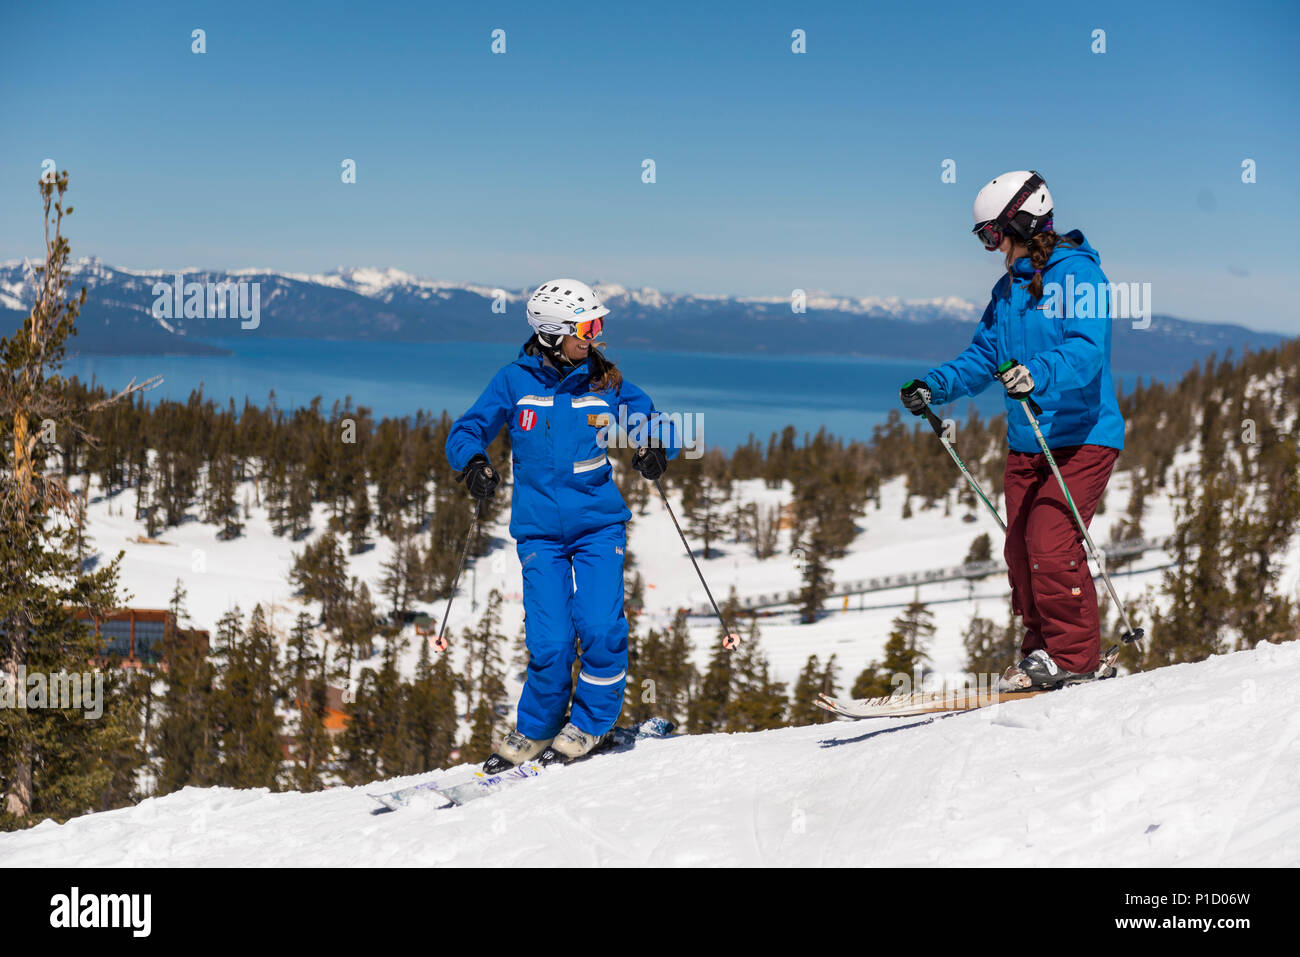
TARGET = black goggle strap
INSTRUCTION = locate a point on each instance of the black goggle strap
(1013, 207)
(1008, 214)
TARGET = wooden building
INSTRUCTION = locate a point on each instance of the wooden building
(133, 637)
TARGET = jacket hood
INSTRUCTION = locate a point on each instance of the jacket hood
(1062, 252)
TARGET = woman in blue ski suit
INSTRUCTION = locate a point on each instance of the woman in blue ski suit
(561, 400)
(1050, 315)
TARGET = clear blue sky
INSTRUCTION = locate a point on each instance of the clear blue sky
(775, 170)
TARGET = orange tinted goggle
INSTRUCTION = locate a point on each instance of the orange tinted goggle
(589, 329)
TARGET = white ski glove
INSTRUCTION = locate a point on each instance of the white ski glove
(1018, 381)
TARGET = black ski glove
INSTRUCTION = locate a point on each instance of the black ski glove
(650, 462)
(480, 477)
(915, 394)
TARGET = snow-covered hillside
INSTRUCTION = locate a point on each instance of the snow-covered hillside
(1191, 765)
(255, 567)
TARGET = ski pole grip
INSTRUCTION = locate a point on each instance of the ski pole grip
(1011, 364)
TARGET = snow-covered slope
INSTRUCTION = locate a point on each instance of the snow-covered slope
(1194, 764)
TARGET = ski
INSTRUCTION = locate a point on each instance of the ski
(959, 699)
(482, 785)
(404, 796)
(478, 784)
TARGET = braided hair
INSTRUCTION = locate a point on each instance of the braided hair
(1041, 246)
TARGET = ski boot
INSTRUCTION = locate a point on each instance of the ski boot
(571, 743)
(515, 749)
(1038, 672)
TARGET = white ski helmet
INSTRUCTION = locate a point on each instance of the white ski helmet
(1018, 203)
(565, 307)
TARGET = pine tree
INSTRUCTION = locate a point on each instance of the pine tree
(50, 762)
(277, 497)
(402, 573)
(830, 679)
(1200, 601)
(803, 710)
(706, 486)
(757, 702)
(981, 549)
(359, 516)
(355, 623)
(1264, 517)
(188, 735)
(662, 681)
(320, 574)
(828, 498)
(360, 740)
(817, 582)
(223, 504)
(301, 662)
(315, 748)
(904, 656)
(305, 670)
(485, 679)
(640, 692)
(989, 649)
(395, 746)
(431, 711)
(298, 507)
(709, 710)
(245, 704)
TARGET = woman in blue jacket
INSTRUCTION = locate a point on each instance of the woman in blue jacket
(1050, 314)
(561, 399)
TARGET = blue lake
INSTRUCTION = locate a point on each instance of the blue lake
(736, 395)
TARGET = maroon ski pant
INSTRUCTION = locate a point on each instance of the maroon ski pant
(1051, 587)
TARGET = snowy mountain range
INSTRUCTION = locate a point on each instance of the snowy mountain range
(387, 304)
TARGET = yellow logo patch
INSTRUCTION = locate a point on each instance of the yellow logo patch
(598, 419)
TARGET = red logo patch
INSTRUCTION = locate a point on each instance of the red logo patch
(527, 419)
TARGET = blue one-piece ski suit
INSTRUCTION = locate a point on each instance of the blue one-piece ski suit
(569, 523)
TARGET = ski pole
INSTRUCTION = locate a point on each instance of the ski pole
(440, 643)
(937, 425)
(732, 640)
(1031, 409)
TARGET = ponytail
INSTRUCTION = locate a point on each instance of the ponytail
(605, 376)
(1041, 247)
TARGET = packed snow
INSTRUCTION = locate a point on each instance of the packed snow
(1191, 765)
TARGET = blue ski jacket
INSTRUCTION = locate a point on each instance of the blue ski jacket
(1063, 339)
(559, 430)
